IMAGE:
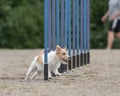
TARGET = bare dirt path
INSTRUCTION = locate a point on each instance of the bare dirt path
(100, 78)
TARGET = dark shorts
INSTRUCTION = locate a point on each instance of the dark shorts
(116, 29)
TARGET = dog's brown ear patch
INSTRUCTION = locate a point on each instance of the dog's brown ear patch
(65, 49)
(39, 59)
(58, 48)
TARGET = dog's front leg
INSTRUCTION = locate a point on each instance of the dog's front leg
(49, 74)
(56, 69)
(34, 75)
(29, 71)
(56, 72)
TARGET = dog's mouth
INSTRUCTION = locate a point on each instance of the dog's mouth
(65, 60)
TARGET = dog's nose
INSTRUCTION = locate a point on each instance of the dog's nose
(66, 60)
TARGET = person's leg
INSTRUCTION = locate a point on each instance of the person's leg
(117, 30)
(118, 35)
(110, 39)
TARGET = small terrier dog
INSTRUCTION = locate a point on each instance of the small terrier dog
(55, 58)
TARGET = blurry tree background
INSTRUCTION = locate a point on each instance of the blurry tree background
(22, 23)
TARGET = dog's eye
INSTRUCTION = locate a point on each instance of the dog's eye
(63, 53)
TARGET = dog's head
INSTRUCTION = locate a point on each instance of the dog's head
(62, 54)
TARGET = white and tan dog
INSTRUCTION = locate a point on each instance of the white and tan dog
(55, 58)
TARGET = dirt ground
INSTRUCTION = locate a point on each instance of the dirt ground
(100, 78)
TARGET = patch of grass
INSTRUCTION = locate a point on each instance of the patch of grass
(24, 89)
(25, 65)
(73, 76)
(98, 79)
(118, 66)
(87, 73)
(90, 72)
(66, 83)
(3, 87)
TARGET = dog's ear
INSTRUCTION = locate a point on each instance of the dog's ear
(65, 48)
(58, 48)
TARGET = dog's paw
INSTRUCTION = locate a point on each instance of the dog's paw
(49, 77)
(58, 74)
(53, 74)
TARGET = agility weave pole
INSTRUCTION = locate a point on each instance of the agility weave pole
(67, 23)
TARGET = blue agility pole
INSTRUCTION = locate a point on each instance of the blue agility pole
(49, 26)
(77, 25)
(62, 22)
(53, 25)
(68, 30)
(85, 30)
(66, 16)
(81, 31)
(62, 31)
(66, 27)
(88, 11)
(62, 37)
(88, 31)
(74, 34)
(69, 35)
(58, 22)
(45, 39)
(69, 27)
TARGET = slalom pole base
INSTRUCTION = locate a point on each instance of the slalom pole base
(69, 64)
(85, 58)
(73, 61)
(81, 59)
(45, 71)
(88, 58)
(78, 61)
